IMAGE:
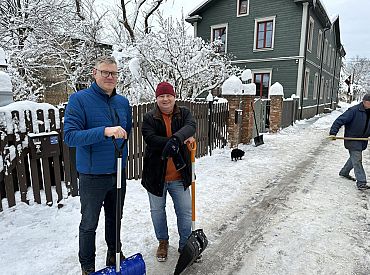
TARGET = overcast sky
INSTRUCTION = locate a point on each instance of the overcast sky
(354, 18)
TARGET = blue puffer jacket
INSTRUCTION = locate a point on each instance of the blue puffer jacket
(354, 120)
(87, 114)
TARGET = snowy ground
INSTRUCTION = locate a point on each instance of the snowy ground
(282, 209)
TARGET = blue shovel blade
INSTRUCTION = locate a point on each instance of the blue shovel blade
(133, 265)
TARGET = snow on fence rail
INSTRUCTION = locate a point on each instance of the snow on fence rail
(35, 160)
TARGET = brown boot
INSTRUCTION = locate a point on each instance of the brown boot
(111, 258)
(87, 271)
(162, 251)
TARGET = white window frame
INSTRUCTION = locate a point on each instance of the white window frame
(311, 27)
(237, 8)
(263, 19)
(219, 26)
(319, 44)
(263, 71)
(315, 86)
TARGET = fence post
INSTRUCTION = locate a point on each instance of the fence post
(275, 112)
(210, 130)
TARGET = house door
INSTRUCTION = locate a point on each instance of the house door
(262, 81)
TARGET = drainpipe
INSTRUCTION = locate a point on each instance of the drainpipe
(333, 82)
(310, 5)
(321, 65)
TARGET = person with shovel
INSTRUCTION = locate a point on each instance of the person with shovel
(356, 133)
(93, 117)
(167, 165)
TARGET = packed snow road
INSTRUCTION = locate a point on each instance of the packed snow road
(307, 221)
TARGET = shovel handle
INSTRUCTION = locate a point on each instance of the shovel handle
(192, 147)
(351, 138)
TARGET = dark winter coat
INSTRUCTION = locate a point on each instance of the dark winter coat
(154, 132)
(88, 113)
(354, 120)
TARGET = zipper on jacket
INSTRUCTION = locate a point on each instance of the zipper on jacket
(90, 159)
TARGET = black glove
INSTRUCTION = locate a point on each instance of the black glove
(171, 148)
(179, 162)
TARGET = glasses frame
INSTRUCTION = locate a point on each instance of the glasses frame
(106, 74)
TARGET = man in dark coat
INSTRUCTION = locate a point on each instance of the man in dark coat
(356, 122)
(167, 165)
(93, 116)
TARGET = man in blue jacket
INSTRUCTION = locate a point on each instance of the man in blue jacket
(93, 117)
(356, 122)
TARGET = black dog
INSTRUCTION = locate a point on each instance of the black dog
(237, 154)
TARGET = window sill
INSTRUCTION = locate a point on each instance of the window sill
(263, 50)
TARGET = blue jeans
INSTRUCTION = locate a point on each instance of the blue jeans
(97, 191)
(182, 203)
(355, 162)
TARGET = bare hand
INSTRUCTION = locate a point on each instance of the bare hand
(117, 132)
(190, 140)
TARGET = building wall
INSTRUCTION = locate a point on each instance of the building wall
(288, 21)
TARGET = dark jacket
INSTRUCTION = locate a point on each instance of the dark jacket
(88, 113)
(154, 132)
(354, 120)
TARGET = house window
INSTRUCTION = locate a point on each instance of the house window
(306, 83)
(319, 44)
(325, 50)
(264, 33)
(329, 56)
(243, 7)
(262, 81)
(310, 34)
(219, 37)
(322, 87)
(315, 87)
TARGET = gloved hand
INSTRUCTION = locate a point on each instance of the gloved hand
(171, 148)
(332, 137)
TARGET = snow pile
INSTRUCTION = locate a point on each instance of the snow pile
(276, 89)
(232, 86)
(246, 75)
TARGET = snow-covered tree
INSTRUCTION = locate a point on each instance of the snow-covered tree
(39, 35)
(170, 54)
(359, 71)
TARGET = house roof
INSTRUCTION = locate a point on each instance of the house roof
(336, 28)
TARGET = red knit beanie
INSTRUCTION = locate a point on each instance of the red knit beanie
(164, 88)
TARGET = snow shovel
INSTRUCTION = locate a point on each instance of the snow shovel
(197, 241)
(133, 265)
(258, 140)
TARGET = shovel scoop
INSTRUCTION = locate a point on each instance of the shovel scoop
(197, 241)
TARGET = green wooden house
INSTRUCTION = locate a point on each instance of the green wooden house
(293, 42)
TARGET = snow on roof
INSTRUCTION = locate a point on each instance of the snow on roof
(276, 89)
(30, 108)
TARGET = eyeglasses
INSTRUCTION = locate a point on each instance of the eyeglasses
(107, 73)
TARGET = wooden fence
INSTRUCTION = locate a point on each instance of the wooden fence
(38, 158)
